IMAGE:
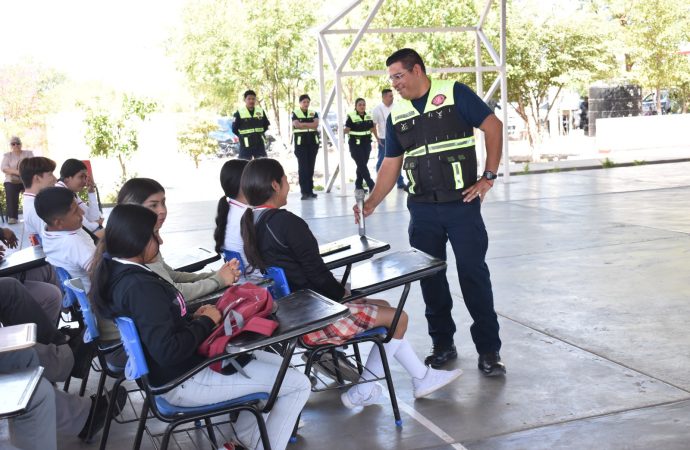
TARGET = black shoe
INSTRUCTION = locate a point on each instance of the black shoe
(490, 364)
(313, 195)
(440, 356)
(97, 417)
(306, 197)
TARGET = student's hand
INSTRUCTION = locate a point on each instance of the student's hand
(230, 272)
(2, 252)
(212, 313)
(9, 238)
(90, 184)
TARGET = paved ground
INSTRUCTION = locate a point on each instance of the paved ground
(591, 279)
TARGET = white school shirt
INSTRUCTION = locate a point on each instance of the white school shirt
(33, 225)
(91, 212)
(233, 235)
(71, 250)
(380, 115)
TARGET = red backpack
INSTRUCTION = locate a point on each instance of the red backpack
(244, 308)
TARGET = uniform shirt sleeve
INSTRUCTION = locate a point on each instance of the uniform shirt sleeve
(235, 122)
(393, 147)
(267, 123)
(348, 122)
(469, 105)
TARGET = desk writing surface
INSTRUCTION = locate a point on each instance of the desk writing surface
(298, 313)
(191, 259)
(17, 337)
(360, 248)
(394, 269)
(22, 260)
(17, 389)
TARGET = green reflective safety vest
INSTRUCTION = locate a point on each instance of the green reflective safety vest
(251, 127)
(440, 159)
(361, 127)
(305, 136)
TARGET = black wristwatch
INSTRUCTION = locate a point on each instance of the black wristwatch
(489, 175)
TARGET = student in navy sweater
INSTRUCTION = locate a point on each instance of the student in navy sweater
(122, 285)
(276, 237)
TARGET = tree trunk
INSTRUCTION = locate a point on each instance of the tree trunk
(122, 167)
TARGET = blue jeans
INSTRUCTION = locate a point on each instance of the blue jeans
(431, 226)
(379, 161)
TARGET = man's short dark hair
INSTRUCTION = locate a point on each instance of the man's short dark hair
(407, 57)
(52, 203)
(249, 92)
(304, 96)
(385, 91)
(38, 165)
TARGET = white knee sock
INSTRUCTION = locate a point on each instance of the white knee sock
(403, 352)
(409, 360)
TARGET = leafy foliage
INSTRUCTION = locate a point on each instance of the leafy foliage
(115, 134)
(194, 138)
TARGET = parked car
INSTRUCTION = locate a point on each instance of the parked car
(669, 103)
(228, 142)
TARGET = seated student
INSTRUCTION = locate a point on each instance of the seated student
(50, 410)
(66, 244)
(122, 285)
(74, 176)
(276, 237)
(36, 174)
(230, 209)
(40, 281)
(150, 194)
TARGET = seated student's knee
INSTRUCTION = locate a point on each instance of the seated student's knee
(402, 324)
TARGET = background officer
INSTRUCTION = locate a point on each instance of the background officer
(305, 123)
(250, 125)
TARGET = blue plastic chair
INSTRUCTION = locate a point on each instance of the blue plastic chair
(91, 334)
(137, 369)
(279, 288)
(230, 254)
(63, 276)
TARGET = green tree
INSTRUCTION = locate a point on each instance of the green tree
(227, 46)
(547, 51)
(657, 30)
(194, 139)
(115, 134)
(25, 98)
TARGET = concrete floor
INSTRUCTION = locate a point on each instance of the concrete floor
(591, 280)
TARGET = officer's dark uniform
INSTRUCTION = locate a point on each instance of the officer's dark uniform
(360, 146)
(250, 127)
(440, 162)
(306, 149)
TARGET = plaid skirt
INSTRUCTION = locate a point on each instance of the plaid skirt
(362, 317)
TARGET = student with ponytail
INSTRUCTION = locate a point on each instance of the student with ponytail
(123, 285)
(276, 237)
(231, 207)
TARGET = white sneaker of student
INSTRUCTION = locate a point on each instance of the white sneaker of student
(352, 398)
(433, 380)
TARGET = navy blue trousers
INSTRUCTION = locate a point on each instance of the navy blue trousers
(432, 225)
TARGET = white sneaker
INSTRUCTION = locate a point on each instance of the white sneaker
(352, 398)
(433, 380)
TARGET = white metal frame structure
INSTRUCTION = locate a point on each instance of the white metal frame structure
(338, 66)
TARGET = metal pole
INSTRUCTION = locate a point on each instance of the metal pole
(504, 95)
(479, 148)
(322, 87)
(341, 131)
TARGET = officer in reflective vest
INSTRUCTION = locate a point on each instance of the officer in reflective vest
(430, 134)
(250, 125)
(305, 123)
(360, 126)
